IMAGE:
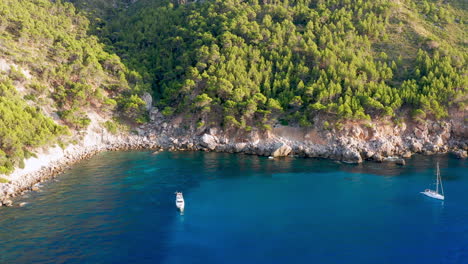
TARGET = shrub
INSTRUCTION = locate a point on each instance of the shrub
(16, 74)
(3, 180)
(111, 126)
(200, 124)
(167, 111)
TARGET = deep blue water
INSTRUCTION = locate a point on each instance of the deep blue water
(119, 207)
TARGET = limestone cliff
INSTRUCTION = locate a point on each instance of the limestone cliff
(352, 143)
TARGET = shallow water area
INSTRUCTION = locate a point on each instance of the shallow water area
(119, 207)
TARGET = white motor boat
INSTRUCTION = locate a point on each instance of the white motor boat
(180, 203)
(435, 194)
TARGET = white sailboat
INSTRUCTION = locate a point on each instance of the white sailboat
(435, 194)
(180, 203)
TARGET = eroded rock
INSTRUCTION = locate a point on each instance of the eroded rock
(407, 154)
(416, 147)
(148, 100)
(377, 157)
(239, 147)
(460, 154)
(400, 161)
(351, 156)
(208, 141)
(282, 151)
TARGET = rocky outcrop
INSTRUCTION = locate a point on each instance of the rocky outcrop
(28, 181)
(282, 150)
(148, 100)
(352, 144)
(351, 156)
(208, 141)
(400, 161)
(461, 154)
(7, 202)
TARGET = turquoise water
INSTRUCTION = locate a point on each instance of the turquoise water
(119, 207)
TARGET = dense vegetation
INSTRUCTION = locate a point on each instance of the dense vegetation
(22, 127)
(251, 62)
(69, 73)
(239, 64)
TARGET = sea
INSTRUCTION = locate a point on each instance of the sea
(119, 207)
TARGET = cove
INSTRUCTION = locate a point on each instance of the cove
(118, 207)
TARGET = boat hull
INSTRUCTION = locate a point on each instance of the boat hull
(180, 205)
(433, 195)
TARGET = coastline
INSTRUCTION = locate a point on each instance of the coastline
(353, 144)
(56, 160)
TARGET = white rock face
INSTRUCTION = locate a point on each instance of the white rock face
(208, 141)
(461, 154)
(155, 114)
(148, 100)
(351, 145)
(416, 147)
(239, 147)
(282, 151)
(5, 66)
(438, 141)
(351, 156)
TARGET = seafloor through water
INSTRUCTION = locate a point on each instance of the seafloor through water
(119, 207)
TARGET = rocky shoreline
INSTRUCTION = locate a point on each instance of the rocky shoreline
(353, 144)
(29, 181)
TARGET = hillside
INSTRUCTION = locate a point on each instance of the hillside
(247, 64)
(235, 65)
(51, 68)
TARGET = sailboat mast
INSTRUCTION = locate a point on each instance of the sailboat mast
(437, 185)
(440, 179)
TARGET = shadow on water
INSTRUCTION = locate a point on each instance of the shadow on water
(418, 164)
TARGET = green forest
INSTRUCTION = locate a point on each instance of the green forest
(69, 72)
(254, 62)
(235, 64)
